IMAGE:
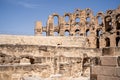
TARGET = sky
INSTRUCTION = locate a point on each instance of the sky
(18, 17)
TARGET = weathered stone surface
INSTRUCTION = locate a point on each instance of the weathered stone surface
(95, 70)
(102, 77)
(105, 70)
(109, 60)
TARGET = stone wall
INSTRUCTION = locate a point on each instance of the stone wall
(43, 40)
(22, 57)
(109, 66)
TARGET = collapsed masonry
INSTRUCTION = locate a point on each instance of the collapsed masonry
(80, 46)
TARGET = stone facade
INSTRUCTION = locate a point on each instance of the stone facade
(102, 30)
(91, 44)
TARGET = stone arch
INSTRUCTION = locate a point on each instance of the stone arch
(67, 33)
(118, 33)
(67, 17)
(117, 41)
(118, 22)
(56, 33)
(55, 19)
(87, 32)
(88, 20)
(88, 11)
(98, 32)
(100, 19)
(77, 11)
(77, 19)
(108, 23)
(77, 32)
(107, 42)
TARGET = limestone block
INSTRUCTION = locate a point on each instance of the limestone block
(109, 61)
(104, 70)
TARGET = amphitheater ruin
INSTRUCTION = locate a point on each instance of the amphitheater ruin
(82, 47)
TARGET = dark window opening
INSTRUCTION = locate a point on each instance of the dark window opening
(97, 43)
(107, 42)
(108, 23)
(117, 41)
(118, 25)
(66, 33)
(77, 32)
(31, 60)
(87, 32)
(81, 34)
(98, 32)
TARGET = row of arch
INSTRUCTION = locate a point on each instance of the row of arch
(102, 20)
(67, 20)
(77, 33)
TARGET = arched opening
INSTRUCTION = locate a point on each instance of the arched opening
(117, 41)
(77, 19)
(97, 43)
(100, 21)
(118, 33)
(31, 60)
(56, 21)
(87, 32)
(98, 33)
(44, 34)
(66, 33)
(108, 23)
(77, 32)
(67, 18)
(88, 11)
(88, 19)
(118, 22)
(77, 11)
(107, 42)
(56, 34)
